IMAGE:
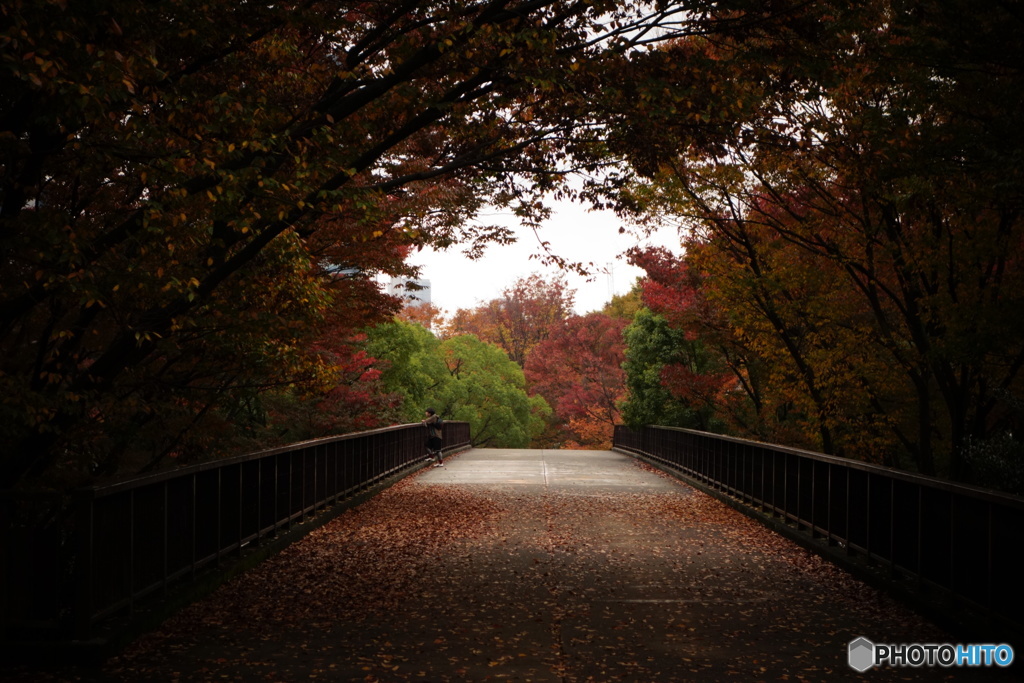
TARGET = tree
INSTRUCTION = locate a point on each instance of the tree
(423, 314)
(488, 390)
(625, 306)
(408, 358)
(578, 371)
(666, 378)
(462, 378)
(854, 186)
(351, 396)
(179, 181)
(342, 392)
(526, 314)
(822, 380)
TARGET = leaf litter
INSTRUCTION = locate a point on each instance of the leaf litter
(478, 583)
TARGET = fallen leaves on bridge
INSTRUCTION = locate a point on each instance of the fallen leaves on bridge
(457, 583)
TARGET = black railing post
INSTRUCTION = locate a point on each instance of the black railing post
(85, 585)
(785, 487)
(220, 517)
(302, 486)
(814, 485)
(990, 559)
(849, 548)
(131, 552)
(828, 510)
(166, 533)
(921, 536)
(892, 527)
(194, 525)
(952, 534)
(291, 488)
(867, 507)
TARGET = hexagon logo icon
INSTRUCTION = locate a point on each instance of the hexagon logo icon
(861, 654)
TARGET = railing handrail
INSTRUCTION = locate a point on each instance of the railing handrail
(912, 477)
(134, 481)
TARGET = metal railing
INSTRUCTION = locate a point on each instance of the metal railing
(961, 541)
(68, 565)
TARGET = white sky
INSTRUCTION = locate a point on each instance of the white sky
(574, 232)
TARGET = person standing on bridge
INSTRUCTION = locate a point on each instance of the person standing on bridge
(434, 443)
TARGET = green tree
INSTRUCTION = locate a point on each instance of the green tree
(410, 364)
(651, 345)
(462, 378)
(488, 390)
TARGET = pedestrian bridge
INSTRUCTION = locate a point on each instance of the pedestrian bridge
(530, 565)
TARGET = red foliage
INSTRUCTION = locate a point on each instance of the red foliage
(525, 314)
(578, 370)
(694, 388)
(668, 290)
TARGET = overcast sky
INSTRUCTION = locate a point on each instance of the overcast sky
(574, 233)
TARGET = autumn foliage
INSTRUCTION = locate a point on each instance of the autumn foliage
(527, 313)
(578, 370)
(196, 198)
(571, 362)
(853, 228)
(190, 188)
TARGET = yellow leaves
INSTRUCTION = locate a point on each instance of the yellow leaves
(146, 336)
(51, 377)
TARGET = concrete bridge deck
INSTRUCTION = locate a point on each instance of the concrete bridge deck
(533, 566)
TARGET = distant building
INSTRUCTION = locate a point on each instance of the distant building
(413, 292)
(342, 271)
